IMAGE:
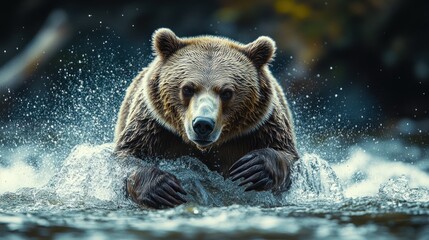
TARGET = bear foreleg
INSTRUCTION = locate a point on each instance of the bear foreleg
(266, 169)
(154, 188)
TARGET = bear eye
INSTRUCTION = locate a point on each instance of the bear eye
(226, 94)
(188, 91)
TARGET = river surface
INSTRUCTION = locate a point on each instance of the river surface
(59, 180)
(366, 196)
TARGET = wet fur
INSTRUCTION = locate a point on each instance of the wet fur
(150, 122)
(144, 136)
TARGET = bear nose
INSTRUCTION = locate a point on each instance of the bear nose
(203, 126)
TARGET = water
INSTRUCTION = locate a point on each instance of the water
(363, 197)
(59, 180)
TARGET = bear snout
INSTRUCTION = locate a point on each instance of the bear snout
(203, 126)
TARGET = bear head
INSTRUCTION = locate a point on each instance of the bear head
(209, 89)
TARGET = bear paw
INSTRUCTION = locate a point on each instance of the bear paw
(154, 188)
(266, 169)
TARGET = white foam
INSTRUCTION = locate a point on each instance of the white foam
(89, 172)
(92, 172)
(314, 179)
(21, 174)
(362, 174)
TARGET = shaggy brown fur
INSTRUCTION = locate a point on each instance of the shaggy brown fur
(255, 124)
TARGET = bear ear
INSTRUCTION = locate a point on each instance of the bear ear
(165, 42)
(261, 51)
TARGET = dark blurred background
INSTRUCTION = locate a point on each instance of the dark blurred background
(349, 67)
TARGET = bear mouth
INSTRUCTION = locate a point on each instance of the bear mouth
(203, 143)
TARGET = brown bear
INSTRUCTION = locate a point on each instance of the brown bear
(213, 99)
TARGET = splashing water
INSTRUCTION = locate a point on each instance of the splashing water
(93, 173)
(61, 180)
(364, 174)
(88, 188)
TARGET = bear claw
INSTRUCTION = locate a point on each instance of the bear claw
(154, 188)
(261, 169)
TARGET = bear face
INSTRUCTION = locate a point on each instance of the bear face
(220, 89)
(209, 98)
